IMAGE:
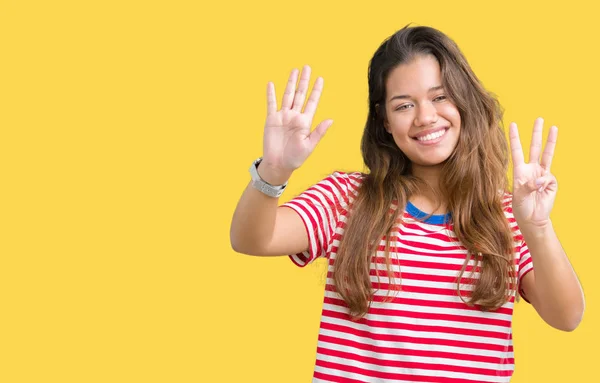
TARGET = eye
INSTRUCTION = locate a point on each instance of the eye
(440, 98)
(403, 107)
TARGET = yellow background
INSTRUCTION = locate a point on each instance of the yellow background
(127, 128)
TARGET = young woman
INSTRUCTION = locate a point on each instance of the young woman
(428, 250)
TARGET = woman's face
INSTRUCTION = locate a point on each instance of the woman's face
(424, 122)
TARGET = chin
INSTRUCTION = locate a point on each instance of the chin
(431, 161)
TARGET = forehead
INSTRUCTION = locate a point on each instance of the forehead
(414, 77)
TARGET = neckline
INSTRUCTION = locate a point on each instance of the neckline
(436, 219)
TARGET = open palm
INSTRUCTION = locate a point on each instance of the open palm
(288, 139)
(534, 187)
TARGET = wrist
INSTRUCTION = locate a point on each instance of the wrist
(273, 186)
(536, 232)
(273, 175)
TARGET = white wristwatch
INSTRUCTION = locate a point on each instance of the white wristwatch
(263, 186)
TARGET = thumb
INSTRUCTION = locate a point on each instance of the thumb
(545, 182)
(319, 132)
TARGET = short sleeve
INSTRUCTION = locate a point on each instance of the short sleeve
(525, 266)
(522, 257)
(321, 208)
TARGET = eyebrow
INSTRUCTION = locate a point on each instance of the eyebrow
(403, 96)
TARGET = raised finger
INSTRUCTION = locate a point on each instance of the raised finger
(516, 149)
(549, 149)
(300, 95)
(313, 100)
(536, 141)
(288, 95)
(271, 100)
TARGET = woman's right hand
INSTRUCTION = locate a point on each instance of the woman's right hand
(288, 140)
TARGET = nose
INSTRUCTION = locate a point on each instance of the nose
(426, 114)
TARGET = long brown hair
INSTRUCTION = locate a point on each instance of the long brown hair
(473, 179)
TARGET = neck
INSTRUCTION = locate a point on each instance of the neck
(430, 174)
(430, 197)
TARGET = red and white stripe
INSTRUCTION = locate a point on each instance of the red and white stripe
(425, 332)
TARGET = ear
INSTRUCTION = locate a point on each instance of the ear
(387, 127)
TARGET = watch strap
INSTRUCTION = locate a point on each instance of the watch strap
(258, 183)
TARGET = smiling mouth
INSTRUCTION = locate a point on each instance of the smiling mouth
(431, 136)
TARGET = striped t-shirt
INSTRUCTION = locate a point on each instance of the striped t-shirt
(426, 333)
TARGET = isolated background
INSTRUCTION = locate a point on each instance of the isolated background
(126, 132)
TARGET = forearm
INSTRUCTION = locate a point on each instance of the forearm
(559, 294)
(253, 221)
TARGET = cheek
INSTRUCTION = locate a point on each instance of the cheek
(400, 123)
(451, 113)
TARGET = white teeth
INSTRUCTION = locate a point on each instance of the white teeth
(432, 136)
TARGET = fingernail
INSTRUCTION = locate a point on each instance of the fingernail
(539, 181)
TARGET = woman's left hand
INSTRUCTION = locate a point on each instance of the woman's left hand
(534, 187)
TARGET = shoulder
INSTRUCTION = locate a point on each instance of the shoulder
(354, 176)
(349, 182)
(341, 186)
